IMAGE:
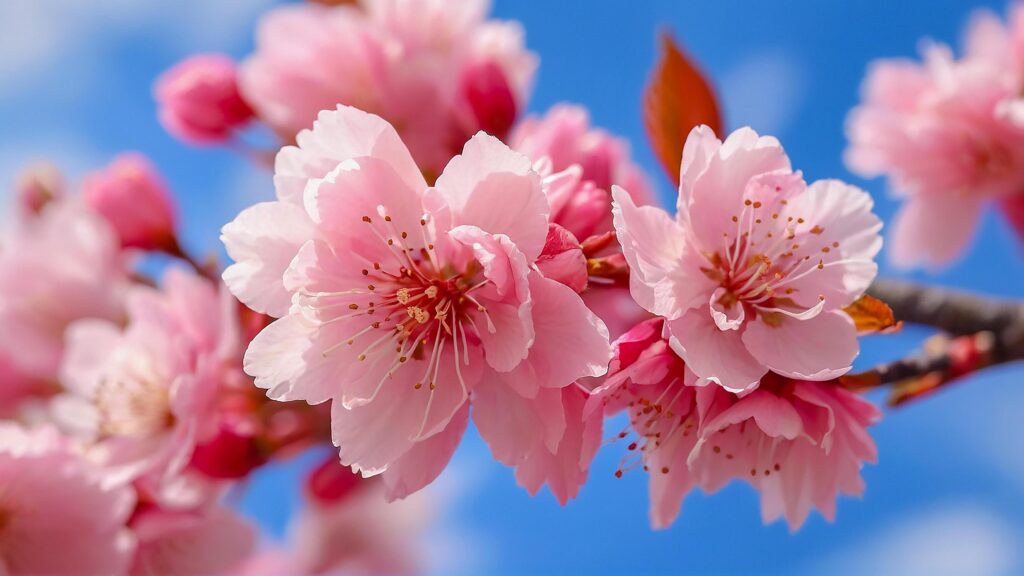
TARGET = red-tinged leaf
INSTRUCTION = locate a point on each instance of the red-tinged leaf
(871, 315)
(678, 98)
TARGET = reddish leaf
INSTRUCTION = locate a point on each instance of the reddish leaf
(872, 315)
(678, 98)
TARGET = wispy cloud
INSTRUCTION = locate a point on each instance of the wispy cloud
(765, 91)
(958, 539)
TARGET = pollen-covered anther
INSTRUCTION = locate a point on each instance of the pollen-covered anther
(402, 295)
(417, 313)
(431, 292)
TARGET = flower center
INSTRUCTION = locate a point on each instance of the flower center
(414, 305)
(659, 416)
(133, 402)
(768, 252)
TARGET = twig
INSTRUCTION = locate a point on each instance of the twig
(982, 332)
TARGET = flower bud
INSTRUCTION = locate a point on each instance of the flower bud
(487, 91)
(132, 196)
(199, 100)
(329, 482)
(232, 453)
(562, 259)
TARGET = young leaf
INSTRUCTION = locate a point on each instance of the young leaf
(872, 315)
(677, 99)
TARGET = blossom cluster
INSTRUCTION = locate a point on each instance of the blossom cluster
(949, 134)
(434, 258)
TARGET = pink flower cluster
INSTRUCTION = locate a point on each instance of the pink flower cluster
(435, 69)
(406, 304)
(127, 415)
(949, 134)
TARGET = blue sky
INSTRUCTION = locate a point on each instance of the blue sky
(948, 494)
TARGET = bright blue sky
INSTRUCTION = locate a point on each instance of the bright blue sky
(948, 494)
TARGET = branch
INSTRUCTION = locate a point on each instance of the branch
(982, 332)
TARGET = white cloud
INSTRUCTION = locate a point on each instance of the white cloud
(46, 36)
(955, 540)
(765, 91)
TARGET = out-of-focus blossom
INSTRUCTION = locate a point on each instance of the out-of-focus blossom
(59, 267)
(146, 393)
(588, 161)
(799, 443)
(199, 100)
(754, 271)
(356, 533)
(132, 196)
(435, 69)
(58, 515)
(206, 540)
(564, 136)
(37, 186)
(401, 301)
(948, 134)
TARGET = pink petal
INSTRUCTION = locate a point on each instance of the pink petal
(653, 245)
(295, 359)
(361, 199)
(933, 231)
(495, 189)
(714, 355)
(717, 193)
(562, 259)
(571, 342)
(262, 241)
(425, 461)
(340, 135)
(820, 348)
(847, 232)
(565, 470)
(513, 425)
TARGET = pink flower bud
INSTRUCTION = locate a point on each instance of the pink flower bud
(490, 97)
(233, 453)
(199, 100)
(133, 197)
(329, 482)
(37, 185)
(562, 259)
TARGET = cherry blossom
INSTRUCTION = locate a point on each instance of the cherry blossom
(403, 302)
(948, 134)
(753, 272)
(799, 443)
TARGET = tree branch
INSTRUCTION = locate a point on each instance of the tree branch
(982, 332)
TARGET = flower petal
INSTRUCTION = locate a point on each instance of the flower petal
(820, 348)
(717, 356)
(495, 189)
(262, 241)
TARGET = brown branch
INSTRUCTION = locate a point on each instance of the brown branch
(983, 332)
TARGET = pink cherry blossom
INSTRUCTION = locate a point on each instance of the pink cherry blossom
(146, 393)
(436, 69)
(133, 197)
(207, 540)
(584, 162)
(753, 272)
(799, 443)
(59, 267)
(407, 301)
(947, 133)
(199, 99)
(58, 515)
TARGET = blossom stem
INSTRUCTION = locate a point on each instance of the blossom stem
(979, 331)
